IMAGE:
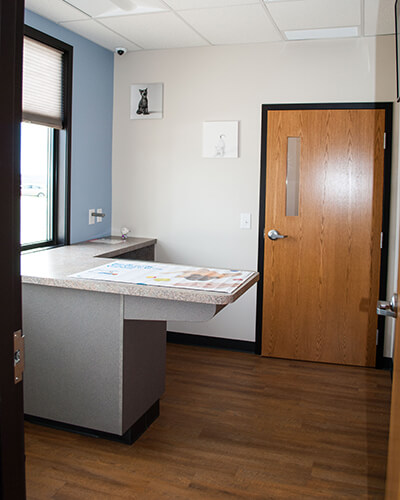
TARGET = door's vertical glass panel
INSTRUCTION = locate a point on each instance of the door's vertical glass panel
(36, 183)
(292, 176)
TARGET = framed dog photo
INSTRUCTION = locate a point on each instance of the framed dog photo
(146, 101)
(220, 139)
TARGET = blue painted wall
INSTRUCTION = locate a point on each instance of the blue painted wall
(92, 108)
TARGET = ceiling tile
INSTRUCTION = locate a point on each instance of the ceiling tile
(99, 34)
(55, 10)
(155, 31)
(308, 14)
(202, 4)
(379, 17)
(107, 8)
(231, 25)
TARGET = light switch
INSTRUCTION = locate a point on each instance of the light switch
(245, 221)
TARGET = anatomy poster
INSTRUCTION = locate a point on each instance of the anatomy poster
(170, 275)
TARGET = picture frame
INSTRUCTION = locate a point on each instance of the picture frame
(220, 139)
(146, 101)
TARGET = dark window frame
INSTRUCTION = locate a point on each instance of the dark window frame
(61, 156)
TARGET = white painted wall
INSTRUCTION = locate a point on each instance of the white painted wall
(163, 188)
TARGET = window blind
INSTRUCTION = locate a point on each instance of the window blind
(43, 89)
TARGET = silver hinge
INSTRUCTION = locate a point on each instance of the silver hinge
(19, 356)
(381, 243)
(377, 336)
(384, 140)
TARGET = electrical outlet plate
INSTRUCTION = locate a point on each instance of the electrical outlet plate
(92, 219)
(99, 211)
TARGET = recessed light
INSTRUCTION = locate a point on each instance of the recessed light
(110, 8)
(316, 34)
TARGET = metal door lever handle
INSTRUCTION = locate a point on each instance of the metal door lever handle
(385, 308)
(274, 235)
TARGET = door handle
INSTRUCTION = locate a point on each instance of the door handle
(274, 235)
(385, 308)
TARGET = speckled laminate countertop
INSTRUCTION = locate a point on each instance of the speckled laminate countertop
(53, 267)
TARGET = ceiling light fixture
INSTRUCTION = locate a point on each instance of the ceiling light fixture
(323, 33)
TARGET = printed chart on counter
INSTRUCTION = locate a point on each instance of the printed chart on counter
(169, 275)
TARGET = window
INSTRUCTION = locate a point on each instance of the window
(45, 139)
(37, 186)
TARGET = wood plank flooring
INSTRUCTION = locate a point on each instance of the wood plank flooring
(232, 425)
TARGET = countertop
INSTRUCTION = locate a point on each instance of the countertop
(53, 267)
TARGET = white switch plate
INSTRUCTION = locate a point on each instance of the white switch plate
(245, 221)
(92, 219)
(99, 211)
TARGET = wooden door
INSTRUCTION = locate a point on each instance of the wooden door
(393, 463)
(321, 282)
(12, 465)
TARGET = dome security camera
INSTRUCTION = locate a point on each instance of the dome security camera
(120, 51)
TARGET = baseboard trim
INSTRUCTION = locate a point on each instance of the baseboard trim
(205, 341)
(387, 364)
(130, 436)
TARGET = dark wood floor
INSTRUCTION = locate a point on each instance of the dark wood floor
(232, 425)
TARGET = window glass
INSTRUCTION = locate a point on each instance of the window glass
(37, 160)
(292, 176)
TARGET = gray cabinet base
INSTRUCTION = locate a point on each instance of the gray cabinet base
(85, 365)
(130, 436)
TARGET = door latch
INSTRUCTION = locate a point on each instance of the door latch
(273, 234)
(385, 308)
(19, 356)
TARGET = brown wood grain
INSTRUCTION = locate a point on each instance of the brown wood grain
(321, 283)
(232, 425)
(393, 462)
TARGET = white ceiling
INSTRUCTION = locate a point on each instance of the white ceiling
(163, 24)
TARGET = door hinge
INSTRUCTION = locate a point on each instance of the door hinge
(381, 242)
(384, 140)
(19, 356)
(377, 336)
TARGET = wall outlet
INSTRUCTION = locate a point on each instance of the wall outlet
(92, 219)
(245, 221)
(99, 211)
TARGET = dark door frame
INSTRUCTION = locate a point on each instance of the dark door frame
(381, 361)
(12, 460)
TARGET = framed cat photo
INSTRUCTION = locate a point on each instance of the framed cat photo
(146, 101)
